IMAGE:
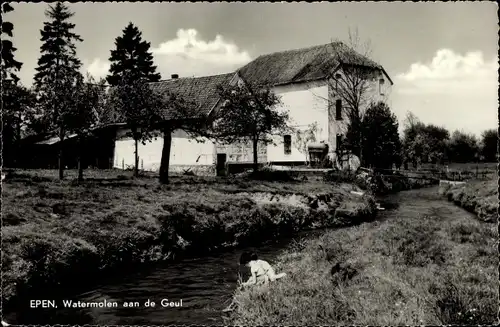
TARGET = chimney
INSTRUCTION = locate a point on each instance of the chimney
(174, 76)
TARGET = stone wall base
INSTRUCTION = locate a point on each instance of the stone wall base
(198, 170)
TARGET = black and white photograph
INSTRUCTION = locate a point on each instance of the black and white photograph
(249, 163)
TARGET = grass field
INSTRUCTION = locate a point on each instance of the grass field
(490, 166)
(430, 263)
(467, 171)
(55, 232)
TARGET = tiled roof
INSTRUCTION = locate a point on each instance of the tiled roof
(200, 90)
(301, 65)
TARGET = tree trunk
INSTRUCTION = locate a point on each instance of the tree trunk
(255, 157)
(360, 143)
(18, 138)
(165, 155)
(136, 166)
(61, 151)
(80, 166)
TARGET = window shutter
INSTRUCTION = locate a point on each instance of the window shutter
(287, 142)
(338, 109)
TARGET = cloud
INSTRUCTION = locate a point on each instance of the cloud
(187, 55)
(457, 91)
(450, 73)
(97, 68)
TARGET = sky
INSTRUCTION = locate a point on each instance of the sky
(442, 56)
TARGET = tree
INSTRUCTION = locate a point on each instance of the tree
(131, 58)
(437, 139)
(249, 113)
(173, 112)
(17, 103)
(304, 137)
(9, 64)
(411, 120)
(58, 71)
(489, 145)
(137, 105)
(463, 147)
(131, 69)
(424, 143)
(353, 84)
(88, 101)
(14, 97)
(381, 144)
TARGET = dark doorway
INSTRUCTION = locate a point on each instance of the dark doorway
(221, 164)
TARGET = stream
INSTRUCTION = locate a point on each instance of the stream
(205, 285)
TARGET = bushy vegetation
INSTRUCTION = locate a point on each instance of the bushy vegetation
(478, 197)
(380, 183)
(59, 231)
(431, 144)
(433, 264)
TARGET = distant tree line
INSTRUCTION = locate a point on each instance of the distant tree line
(427, 143)
(419, 144)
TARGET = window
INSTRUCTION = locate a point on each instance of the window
(336, 79)
(338, 109)
(381, 86)
(338, 141)
(287, 142)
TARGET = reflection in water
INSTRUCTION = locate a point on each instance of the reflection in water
(205, 285)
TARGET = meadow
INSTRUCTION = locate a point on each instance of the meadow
(427, 263)
(55, 232)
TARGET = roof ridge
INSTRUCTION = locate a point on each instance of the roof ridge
(300, 49)
(191, 77)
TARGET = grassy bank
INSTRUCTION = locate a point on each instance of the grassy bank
(382, 184)
(478, 197)
(427, 264)
(58, 232)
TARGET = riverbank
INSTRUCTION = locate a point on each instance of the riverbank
(383, 184)
(427, 263)
(56, 233)
(478, 197)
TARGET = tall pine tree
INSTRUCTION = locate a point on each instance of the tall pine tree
(131, 68)
(9, 64)
(13, 104)
(131, 58)
(58, 71)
